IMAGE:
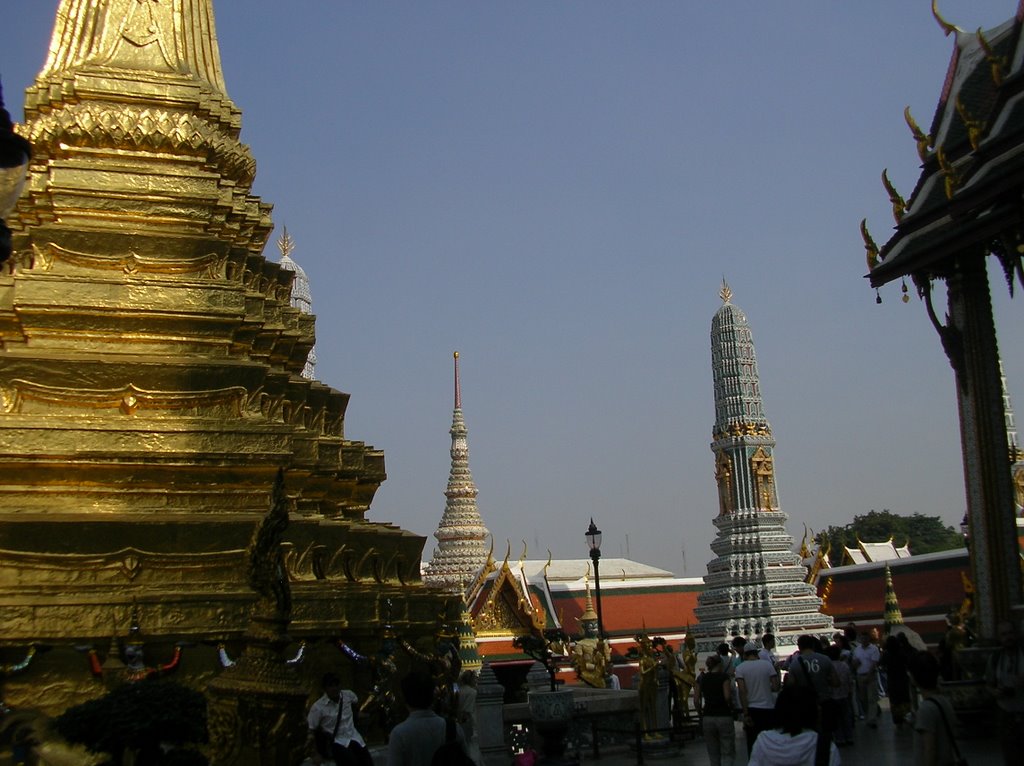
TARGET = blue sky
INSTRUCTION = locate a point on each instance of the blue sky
(556, 190)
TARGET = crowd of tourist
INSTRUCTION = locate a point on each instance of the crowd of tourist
(800, 710)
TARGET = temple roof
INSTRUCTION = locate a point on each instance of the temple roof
(973, 158)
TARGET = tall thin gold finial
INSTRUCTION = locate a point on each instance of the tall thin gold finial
(458, 384)
(947, 28)
(726, 292)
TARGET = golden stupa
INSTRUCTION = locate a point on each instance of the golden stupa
(151, 388)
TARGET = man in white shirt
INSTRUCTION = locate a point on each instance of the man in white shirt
(865, 664)
(757, 681)
(332, 728)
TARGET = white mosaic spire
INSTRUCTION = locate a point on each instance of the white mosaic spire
(460, 552)
(302, 298)
(755, 584)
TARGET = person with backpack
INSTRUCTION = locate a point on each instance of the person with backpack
(424, 738)
(811, 669)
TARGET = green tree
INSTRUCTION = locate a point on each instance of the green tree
(924, 534)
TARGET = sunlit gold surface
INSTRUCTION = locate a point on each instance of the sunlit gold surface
(150, 380)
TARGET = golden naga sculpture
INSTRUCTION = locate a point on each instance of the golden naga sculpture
(150, 378)
(998, 65)
(869, 244)
(899, 205)
(922, 139)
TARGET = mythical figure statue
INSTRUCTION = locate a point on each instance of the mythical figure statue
(591, 656)
(648, 686)
(683, 667)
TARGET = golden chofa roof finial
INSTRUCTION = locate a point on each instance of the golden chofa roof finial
(899, 205)
(726, 292)
(923, 140)
(947, 28)
(869, 244)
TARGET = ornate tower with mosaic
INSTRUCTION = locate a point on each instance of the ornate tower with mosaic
(151, 382)
(756, 582)
(461, 536)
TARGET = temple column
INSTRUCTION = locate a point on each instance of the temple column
(970, 342)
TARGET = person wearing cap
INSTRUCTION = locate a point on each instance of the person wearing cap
(757, 682)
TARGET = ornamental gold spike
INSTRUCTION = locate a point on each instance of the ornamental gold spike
(952, 178)
(974, 127)
(997, 64)
(286, 244)
(869, 244)
(923, 140)
(899, 205)
(947, 28)
(726, 292)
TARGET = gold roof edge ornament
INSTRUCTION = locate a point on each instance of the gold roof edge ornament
(952, 178)
(997, 64)
(947, 28)
(899, 205)
(922, 139)
(974, 127)
(869, 245)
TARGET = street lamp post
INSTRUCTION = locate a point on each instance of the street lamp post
(14, 156)
(594, 543)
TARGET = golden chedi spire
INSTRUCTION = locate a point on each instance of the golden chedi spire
(131, 103)
(150, 372)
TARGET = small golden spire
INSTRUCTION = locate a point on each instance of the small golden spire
(947, 28)
(923, 140)
(869, 244)
(726, 292)
(974, 127)
(286, 244)
(899, 205)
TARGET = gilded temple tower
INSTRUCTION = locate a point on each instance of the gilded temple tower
(151, 378)
(756, 582)
(461, 536)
